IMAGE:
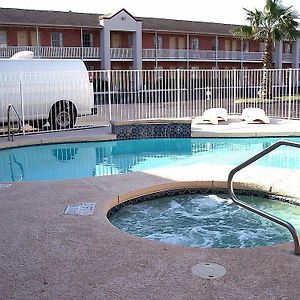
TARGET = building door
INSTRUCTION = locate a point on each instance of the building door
(22, 38)
(227, 45)
(181, 42)
(116, 40)
(34, 38)
(172, 42)
(234, 45)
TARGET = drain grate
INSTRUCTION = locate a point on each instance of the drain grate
(5, 185)
(208, 270)
(84, 209)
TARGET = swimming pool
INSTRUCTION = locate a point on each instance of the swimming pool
(207, 221)
(78, 160)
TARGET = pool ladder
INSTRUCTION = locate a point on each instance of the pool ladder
(11, 133)
(270, 217)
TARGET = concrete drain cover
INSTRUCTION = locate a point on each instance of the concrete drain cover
(84, 209)
(208, 270)
(4, 185)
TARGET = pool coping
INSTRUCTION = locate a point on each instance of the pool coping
(233, 128)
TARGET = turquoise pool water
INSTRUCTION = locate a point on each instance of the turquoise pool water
(207, 221)
(78, 160)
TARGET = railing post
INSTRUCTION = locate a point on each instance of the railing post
(234, 89)
(178, 92)
(290, 93)
(109, 93)
(22, 101)
(8, 123)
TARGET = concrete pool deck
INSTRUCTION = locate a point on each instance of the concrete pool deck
(234, 127)
(48, 255)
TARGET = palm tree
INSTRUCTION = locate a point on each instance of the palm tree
(273, 24)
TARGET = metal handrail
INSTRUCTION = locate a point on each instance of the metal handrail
(11, 135)
(270, 217)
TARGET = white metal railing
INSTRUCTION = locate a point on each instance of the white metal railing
(53, 52)
(121, 53)
(258, 211)
(287, 57)
(133, 94)
(252, 56)
(204, 55)
(147, 54)
(11, 131)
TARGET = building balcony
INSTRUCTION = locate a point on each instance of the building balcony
(86, 53)
(121, 53)
(126, 54)
(201, 55)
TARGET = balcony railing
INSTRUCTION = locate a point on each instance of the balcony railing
(121, 53)
(53, 52)
(287, 57)
(203, 55)
(147, 54)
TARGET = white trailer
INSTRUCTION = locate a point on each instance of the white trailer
(45, 90)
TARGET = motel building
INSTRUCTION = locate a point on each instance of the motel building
(123, 42)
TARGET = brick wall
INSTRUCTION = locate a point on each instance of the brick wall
(71, 37)
(148, 39)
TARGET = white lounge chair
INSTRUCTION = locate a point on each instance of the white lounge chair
(213, 115)
(252, 115)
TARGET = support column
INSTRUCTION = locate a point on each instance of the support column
(278, 55)
(38, 42)
(296, 54)
(242, 53)
(137, 48)
(188, 51)
(105, 49)
(217, 49)
(156, 48)
(81, 43)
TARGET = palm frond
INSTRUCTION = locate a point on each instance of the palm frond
(243, 32)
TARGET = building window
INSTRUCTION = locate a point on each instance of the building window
(56, 39)
(195, 44)
(130, 41)
(287, 48)
(158, 42)
(87, 40)
(3, 39)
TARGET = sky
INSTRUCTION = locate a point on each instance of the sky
(218, 11)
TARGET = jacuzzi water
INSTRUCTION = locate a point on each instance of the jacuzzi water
(207, 221)
(78, 160)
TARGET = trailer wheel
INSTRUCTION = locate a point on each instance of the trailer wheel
(62, 115)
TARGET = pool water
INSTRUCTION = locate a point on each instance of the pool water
(78, 160)
(207, 221)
